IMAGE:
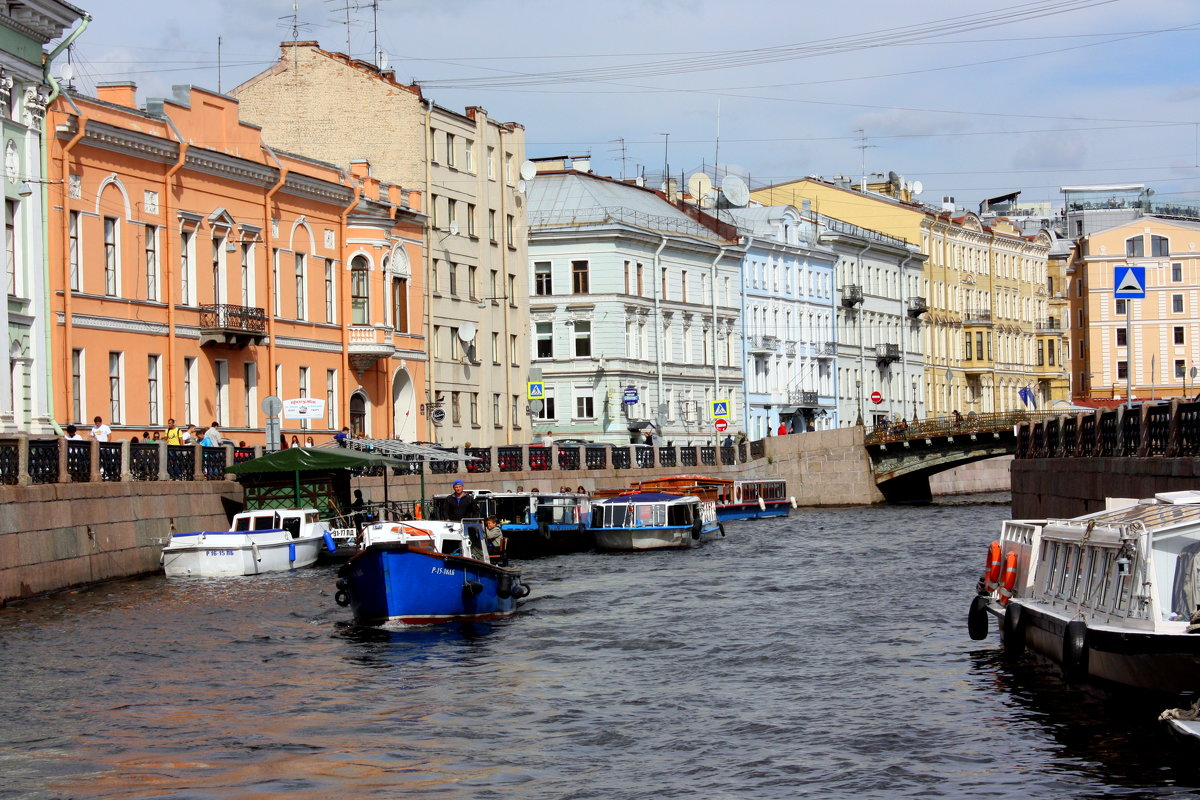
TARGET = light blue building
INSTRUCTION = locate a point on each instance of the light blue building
(787, 321)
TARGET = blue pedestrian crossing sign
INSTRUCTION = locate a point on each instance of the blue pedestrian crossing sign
(537, 390)
(720, 408)
(1129, 282)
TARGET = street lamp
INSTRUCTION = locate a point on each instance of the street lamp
(858, 387)
(914, 396)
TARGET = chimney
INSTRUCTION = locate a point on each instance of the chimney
(582, 163)
(947, 203)
(118, 93)
(360, 167)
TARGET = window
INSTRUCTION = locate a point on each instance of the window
(510, 228)
(400, 304)
(456, 348)
(450, 150)
(579, 277)
(115, 403)
(247, 266)
(967, 349)
(451, 214)
(512, 350)
(73, 233)
(1135, 247)
(473, 282)
(508, 168)
(492, 225)
(516, 412)
(331, 419)
(583, 339)
(473, 400)
(471, 219)
(1176, 304)
(330, 292)
(250, 393)
(151, 252)
(455, 411)
(77, 384)
(548, 411)
(1176, 272)
(436, 344)
(544, 335)
(1122, 370)
(468, 155)
(302, 386)
(1160, 246)
(491, 164)
(1178, 334)
(221, 398)
(497, 418)
(543, 279)
(452, 273)
(10, 245)
(1119, 309)
(1180, 368)
(979, 345)
(110, 256)
(683, 286)
(640, 291)
(1041, 352)
(1121, 340)
(153, 394)
(584, 403)
(301, 304)
(359, 291)
(186, 265)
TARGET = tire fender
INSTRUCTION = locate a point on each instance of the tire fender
(1075, 651)
(1012, 630)
(977, 623)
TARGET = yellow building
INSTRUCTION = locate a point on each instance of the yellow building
(988, 334)
(1165, 329)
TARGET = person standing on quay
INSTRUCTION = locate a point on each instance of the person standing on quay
(174, 436)
(548, 439)
(73, 434)
(100, 431)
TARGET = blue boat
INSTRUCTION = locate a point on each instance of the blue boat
(423, 572)
(736, 499)
(541, 523)
(654, 521)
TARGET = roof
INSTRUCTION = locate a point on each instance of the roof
(643, 497)
(311, 459)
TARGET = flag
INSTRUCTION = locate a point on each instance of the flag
(1027, 396)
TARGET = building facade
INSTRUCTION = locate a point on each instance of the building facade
(787, 322)
(26, 27)
(196, 271)
(328, 106)
(634, 313)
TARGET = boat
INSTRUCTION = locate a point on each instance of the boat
(422, 572)
(541, 523)
(736, 498)
(1111, 596)
(265, 540)
(637, 520)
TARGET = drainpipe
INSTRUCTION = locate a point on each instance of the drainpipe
(506, 310)
(430, 366)
(44, 153)
(272, 267)
(862, 350)
(658, 368)
(169, 265)
(715, 358)
(68, 295)
(904, 343)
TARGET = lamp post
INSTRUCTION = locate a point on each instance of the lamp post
(858, 388)
(914, 396)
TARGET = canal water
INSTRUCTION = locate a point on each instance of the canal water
(823, 655)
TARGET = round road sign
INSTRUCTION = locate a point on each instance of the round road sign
(876, 398)
(438, 414)
(722, 425)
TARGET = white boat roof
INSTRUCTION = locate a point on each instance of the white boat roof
(1171, 510)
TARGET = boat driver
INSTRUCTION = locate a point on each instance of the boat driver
(458, 506)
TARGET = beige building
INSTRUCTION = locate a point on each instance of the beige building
(330, 107)
(1155, 355)
(988, 334)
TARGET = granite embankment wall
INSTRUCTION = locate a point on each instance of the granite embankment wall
(58, 536)
(1070, 487)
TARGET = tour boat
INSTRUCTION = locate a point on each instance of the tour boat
(266, 540)
(422, 572)
(541, 523)
(654, 521)
(1111, 596)
(736, 498)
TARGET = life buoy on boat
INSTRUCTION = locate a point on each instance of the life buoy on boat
(793, 499)
(992, 571)
(417, 513)
(737, 493)
(1010, 578)
(762, 504)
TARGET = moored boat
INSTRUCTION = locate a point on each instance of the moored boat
(541, 523)
(422, 572)
(654, 521)
(736, 498)
(266, 540)
(1111, 596)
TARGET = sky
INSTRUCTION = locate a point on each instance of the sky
(973, 100)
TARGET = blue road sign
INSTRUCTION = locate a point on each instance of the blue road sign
(631, 395)
(537, 390)
(1129, 282)
(720, 408)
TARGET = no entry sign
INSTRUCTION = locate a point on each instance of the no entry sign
(722, 425)
(876, 398)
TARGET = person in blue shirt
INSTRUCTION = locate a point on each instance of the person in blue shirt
(459, 505)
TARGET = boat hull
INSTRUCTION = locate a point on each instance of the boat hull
(1154, 661)
(391, 582)
(530, 542)
(221, 554)
(654, 538)
(736, 511)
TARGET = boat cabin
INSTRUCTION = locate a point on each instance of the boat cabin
(651, 510)
(289, 520)
(432, 536)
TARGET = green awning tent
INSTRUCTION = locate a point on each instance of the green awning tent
(308, 459)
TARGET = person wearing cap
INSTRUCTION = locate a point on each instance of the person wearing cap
(459, 505)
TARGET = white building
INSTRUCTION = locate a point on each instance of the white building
(634, 307)
(788, 299)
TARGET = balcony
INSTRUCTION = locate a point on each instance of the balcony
(789, 349)
(826, 350)
(223, 325)
(887, 353)
(803, 399)
(977, 316)
(917, 306)
(852, 295)
(1049, 325)
(762, 345)
(368, 344)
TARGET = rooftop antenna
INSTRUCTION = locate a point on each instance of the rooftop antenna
(296, 26)
(666, 160)
(218, 65)
(346, 7)
(863, 146)
(624, 158)
(717, 149)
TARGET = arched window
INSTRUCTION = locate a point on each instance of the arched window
(358, 416)
(360, 299)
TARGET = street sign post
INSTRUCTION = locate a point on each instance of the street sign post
(1129, 283)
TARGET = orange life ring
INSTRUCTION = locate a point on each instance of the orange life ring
(992, 572)
(417, 513)
(1010, 578)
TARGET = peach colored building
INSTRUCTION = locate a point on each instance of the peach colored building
(194, 272)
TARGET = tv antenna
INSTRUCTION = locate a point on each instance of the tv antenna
(624, 158)
(864, 147)
(295, 24)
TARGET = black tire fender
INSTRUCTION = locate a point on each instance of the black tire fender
(977, 623)
(1012, 629)
(342, 598)
(1075, 651)
(504, 586)
(697, 527)
(471, 589)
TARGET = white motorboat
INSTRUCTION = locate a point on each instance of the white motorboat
(267, 540)
(1111, 596)
(654, 521)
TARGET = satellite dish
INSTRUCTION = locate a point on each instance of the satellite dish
(68, 72)
(736, 192)
(528, 170)
(521, 186)
(466, 332)
(699, 186)
(454, 228)
(917, 188)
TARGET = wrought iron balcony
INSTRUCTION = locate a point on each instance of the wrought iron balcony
(232, 326)
(827, 350)
(977, 316)
(803, 399)
(887, 353)
(917, 306)
(1049, 325)
(368, 344)
(852, 295)
(762, 345)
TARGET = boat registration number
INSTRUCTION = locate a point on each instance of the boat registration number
(218, 552)
(442, 571)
